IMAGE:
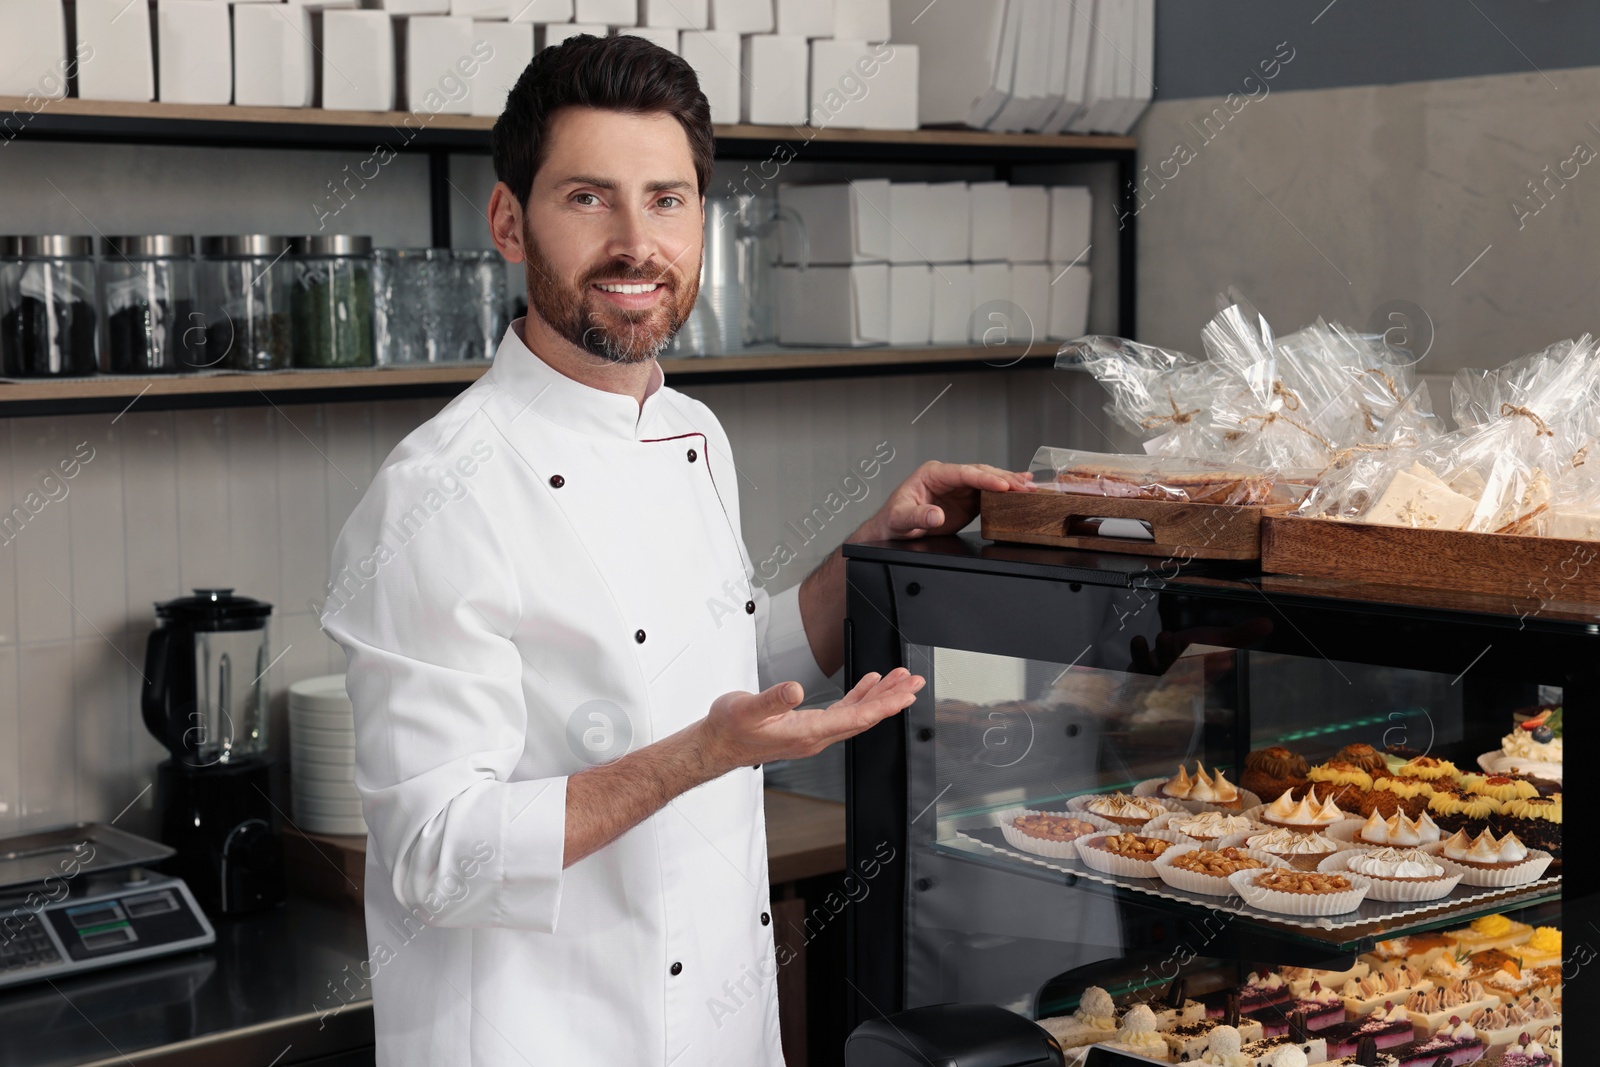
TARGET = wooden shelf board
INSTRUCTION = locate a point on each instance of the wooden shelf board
(311, 116)
(279, 383)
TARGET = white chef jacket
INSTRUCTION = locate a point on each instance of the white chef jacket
(538, 553)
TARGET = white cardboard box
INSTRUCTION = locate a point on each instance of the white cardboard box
(773, 85)
(273, 64)
(488, 10)
(742, 16)
(196, 52)
(928, 222)
(845, 222)
(512, 43)
(358, 61)
(861, 20)
(910, 304)
(606, 12)
(952, 304)
(1030, 292)
(845, 306)
(856, 85)
(558, 32)
(715, 56)
(962, 45)
(1071, 212)
(988, 221)
(667, 39)
(805, 18)
(1069, 301)
(123, 60)
(414, 7)
(541, 11)
(675, 14)
(989, 317)
(435, 44)
(1030, 224)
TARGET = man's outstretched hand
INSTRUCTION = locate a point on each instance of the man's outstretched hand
(744, 729)
(938, 498)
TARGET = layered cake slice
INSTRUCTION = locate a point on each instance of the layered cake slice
(1259, 991)
(1391, 984)
(1491, 931)
(1365, 1055)
(1502, 1025)
(1447, 1003)
(1314, 1048)
(1526, 1053)
(1387, 1026)
(1457, 1044)
(1300, 979)
(1095, 1020)
(1137, 1035)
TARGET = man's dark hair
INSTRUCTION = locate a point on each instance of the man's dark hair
(627, 73)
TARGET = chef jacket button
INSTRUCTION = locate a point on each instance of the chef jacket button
(749, 607)
(556, 481)
(766, 920)
(677, 969)
(638, 635)
(693, 455)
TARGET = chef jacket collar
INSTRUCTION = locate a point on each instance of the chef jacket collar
(567, 402)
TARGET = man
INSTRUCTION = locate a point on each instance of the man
(557, 743)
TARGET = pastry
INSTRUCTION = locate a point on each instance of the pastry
(1271, 1050)
(1417, 949)
(1095, 1020)
(1389, 986)
(1306, 815)
(1532, 747)
(1296, 892)
(1456, 1044)
(1203, 788)
(1410, 795)
(1462, 811)
(1502, 1025)
(1300, 850)
(1174, 1008)
(1364, 756)
(1537, 823)
(1188, 1042)
(1427, 769)
(1491, 931)
(1208, 826)
(1508, 981)
(1452, 966)
(1270, 771)
(1402, 874)
(1259, 991)
(1526, 1052)
(1500, 786)
(1431, 1009)
(1321, 1006)
(1129, 854)
(1387, 1026)
(1337, 776)
(1301, 979)
(1367, 1056)
(1542, 948)
(1399, 830)
(1049, 827)
(1217, 864)
(1223, 1049)
(1487, 861)
(1125, 810)
(1193, 486)
(1137, 1034)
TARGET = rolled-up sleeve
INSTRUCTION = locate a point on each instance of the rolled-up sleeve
(424, 614)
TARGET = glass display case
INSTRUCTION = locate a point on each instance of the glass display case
(1054, 675)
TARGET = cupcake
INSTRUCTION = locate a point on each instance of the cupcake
(1489, 861)
(1410, 795)
(1364, 756)
(1398, 874)
(1536, 821)
(1120, 808)
(1095, 1020)
(1299, 850)
(1491, 931)
(1502, 787)
(1206, 827)
(1427, 769)
(1137, 1035)
(1306, 815)
(1431, 1009)
(1270, 771)
(1338, 777)
(1462, 811)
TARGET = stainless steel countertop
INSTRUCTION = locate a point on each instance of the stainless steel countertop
(280, 987)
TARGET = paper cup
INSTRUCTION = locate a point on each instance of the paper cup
(1081, 803)
(310, 718)
(1151, 787)
(308, 738)
(1194, 882)
(342, 789)
(1164, 822)
(1529, 870)
(1111, 863)
(1392, 889)
(1300, 903)
(1040, 846)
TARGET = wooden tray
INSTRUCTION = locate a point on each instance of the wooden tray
(1189, 531)
(1546, 568)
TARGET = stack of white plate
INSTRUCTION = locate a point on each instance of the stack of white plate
(322, 746)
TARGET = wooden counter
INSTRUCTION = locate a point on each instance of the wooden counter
(805, 838)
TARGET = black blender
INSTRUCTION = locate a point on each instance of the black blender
(205, 699)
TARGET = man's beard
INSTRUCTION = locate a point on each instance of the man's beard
(614, 334)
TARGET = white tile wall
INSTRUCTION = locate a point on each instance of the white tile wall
(252, 498)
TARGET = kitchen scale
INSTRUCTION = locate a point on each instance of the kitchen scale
(80, 898)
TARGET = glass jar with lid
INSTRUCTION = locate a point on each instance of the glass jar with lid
(148, 287)
(245, 286)
(49, 332)
(332, 302)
